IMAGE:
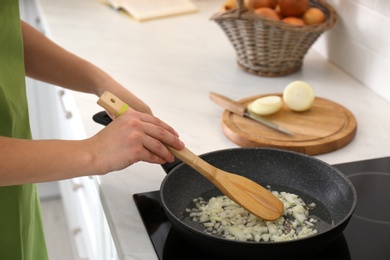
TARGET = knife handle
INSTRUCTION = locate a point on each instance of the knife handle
(227, 103)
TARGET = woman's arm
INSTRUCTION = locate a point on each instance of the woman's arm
(132, 137)
(48, 62)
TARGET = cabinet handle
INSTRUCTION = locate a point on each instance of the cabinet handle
(67, 113)
(76, 186)
(76, 232)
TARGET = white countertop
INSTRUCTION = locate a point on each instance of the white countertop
(173, 64)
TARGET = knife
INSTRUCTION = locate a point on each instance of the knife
(241, 110)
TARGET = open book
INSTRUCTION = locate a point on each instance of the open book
(142, 10)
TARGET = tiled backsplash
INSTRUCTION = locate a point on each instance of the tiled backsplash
(360, 42)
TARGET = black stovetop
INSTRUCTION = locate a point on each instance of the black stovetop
(367, 235)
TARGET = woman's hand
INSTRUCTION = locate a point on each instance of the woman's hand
(133, 137)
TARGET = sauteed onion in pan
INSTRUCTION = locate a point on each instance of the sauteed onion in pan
(222, 216)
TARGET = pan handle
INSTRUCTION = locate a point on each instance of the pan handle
(104, 119)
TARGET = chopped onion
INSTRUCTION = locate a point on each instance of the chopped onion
(222, 216)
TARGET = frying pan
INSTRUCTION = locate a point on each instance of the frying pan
(311, 179)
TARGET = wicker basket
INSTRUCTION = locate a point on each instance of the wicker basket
(267, 47)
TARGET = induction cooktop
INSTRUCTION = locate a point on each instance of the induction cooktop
(367, 235)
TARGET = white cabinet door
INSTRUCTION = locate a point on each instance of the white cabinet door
(90, 235)
(81, 208)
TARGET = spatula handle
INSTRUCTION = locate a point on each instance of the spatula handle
(188, 157)
(112, 104)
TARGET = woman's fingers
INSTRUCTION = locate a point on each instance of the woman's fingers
(157, 129)
(134, 137)
(158, 134)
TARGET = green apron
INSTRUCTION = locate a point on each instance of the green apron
(21, 229)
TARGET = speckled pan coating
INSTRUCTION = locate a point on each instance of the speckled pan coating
(283, 171)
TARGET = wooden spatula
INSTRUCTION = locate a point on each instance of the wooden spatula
(245, 192)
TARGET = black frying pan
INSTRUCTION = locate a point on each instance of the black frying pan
(310, 178)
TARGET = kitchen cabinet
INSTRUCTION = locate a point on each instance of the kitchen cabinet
(54, 115)
(88, 227)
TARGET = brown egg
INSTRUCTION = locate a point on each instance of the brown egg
(277, 9)
(314, 15)
(267, 12)
(254, 4)
(294, 20)
(293, 7)
(228, 5)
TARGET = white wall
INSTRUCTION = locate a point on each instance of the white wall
(360, 42)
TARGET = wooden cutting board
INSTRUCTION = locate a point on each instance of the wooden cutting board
(325, 127)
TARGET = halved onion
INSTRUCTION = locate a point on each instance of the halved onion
(298, 96)
(266, 105)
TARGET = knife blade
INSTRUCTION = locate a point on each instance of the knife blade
(241, 110)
